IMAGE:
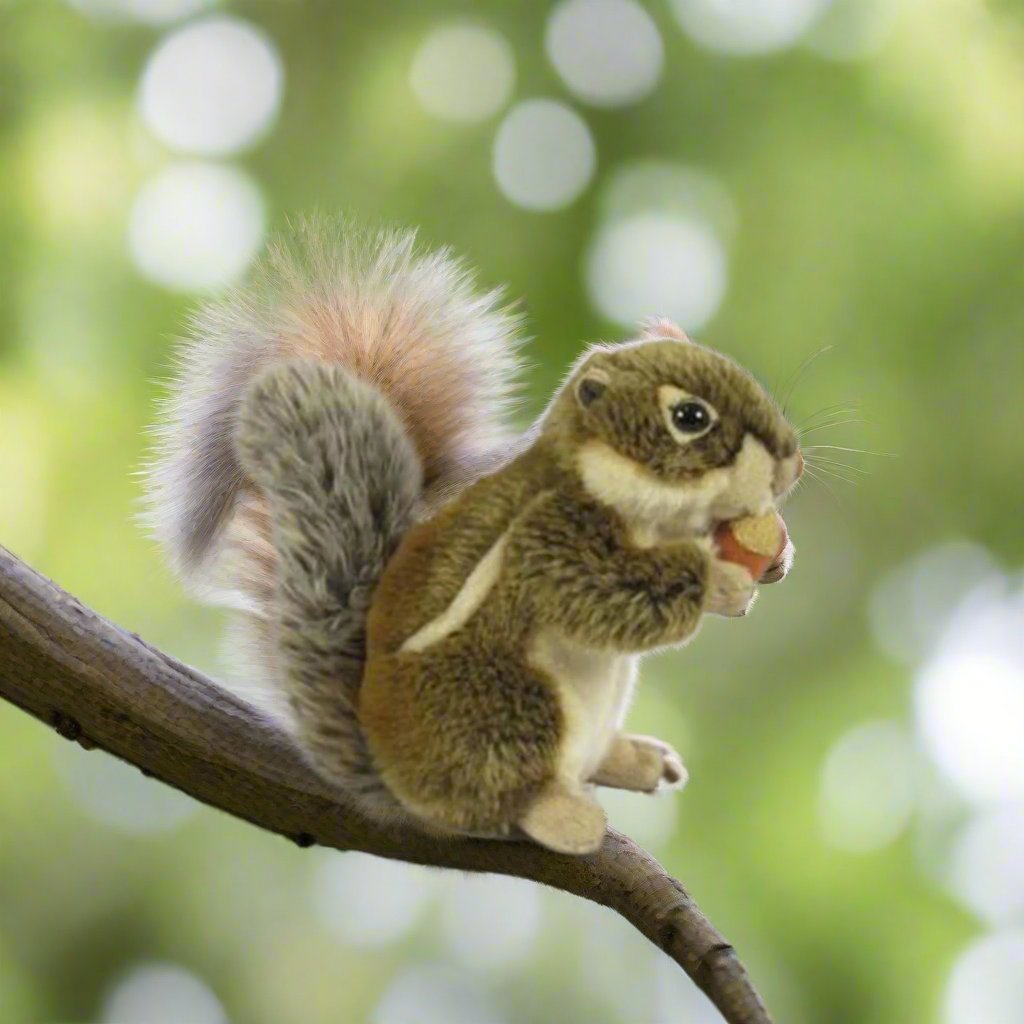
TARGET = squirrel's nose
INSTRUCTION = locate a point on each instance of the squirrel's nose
(799, 464)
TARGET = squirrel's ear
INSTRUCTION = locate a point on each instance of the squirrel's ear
(591, 387)
(656, 327)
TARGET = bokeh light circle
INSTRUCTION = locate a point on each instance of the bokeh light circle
(161, 993)
(463, 73)
(651, 821)
(666, 187)
(470, 908)
(544, 155)
(911, 607)
(119, 796)
(608, 52)
(212, 87)
(435, 994)
(196, 226)
(986, 985)
(746, 26)
(969, 698)
(971, 712)
(655, 264)
(852, 29)
(986, 869)
(867, 787)
(367, 901)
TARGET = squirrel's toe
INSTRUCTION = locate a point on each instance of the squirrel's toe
(674, 774)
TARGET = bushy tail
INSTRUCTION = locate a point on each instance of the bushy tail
(314, 413)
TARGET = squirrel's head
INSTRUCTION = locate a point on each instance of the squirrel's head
(668, 431)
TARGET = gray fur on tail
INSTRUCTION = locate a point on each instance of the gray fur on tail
(408, 321)
(353, 383)
(342, 481)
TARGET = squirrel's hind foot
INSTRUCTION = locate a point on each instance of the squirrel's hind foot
(565, 820)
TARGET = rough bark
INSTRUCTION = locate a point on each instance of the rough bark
(101, 686)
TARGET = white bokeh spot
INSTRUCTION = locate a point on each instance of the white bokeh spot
(969, 697)
(195, 227)
(544, 155)
(911, 607)
(367, 901)
(986, 985)
(868, 787)
(435, 994)
(161, 993)
(746, 26)
(655, 264)
(650, 820)
(617, 965)
(628, 977)
(470, 910)
(986, 869)
(852, 29)
(665, 187)
(212, 87)
(118, 795)
(463, 73)
(608, 52)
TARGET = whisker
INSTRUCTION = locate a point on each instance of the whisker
(840, 448)
(837, 475)
(825, 426)
(833, 475)
(824, 483)
(826, 408)
(825, 421)
(839, 408)
(818, 461)
(798, 376)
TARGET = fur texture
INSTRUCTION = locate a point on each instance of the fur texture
(454, 619)
(504, 633)
(350, 387)
(408, 322)
(342, 482)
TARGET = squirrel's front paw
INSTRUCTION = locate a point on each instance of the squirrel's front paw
(730, 589)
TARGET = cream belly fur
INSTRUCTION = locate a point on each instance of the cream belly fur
(594, 689)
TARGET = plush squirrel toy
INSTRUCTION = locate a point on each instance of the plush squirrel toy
(454, 615)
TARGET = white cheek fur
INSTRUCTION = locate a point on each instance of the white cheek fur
(742, 488)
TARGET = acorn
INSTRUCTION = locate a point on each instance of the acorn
(754, 542)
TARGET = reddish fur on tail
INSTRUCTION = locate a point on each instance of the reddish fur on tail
(407, 321)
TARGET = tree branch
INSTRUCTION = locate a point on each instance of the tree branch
(103, 687)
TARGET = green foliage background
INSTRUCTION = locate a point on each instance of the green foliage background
(881, 210)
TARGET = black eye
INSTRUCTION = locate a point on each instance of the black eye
(691, 417)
